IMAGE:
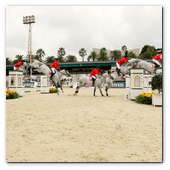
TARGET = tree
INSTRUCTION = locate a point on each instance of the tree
(61, 53)
(148, 52)
(156, 82)
(71, 58)
(124, 48)
(36, 57)
(82, 53)
(50, 59)
(102, 55)
(18, 58)
(39, 54)
(115, 55)
(8, 61)
(92, 56)
(131, 54)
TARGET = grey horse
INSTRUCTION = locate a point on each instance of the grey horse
(143, 64)
(87, 80)
(42, 68)
(125, 70)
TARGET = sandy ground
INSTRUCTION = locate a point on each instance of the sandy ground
(82, 128)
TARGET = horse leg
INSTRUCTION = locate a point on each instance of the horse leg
(100, 90)
(55, 84)
(107, 88)
(106, 91)
(78, 87)
(61, 87)
(94, 91)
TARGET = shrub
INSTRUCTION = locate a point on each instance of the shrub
(145, 98)
(52, 90)
(11, 94)
(156, 82)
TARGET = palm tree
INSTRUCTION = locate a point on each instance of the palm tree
(61, 53)
(8, 61)
(115, 55)
(50, 59)
(61, 58)
(92, 56)
(18, 58)
(82, 53)
(103, 55)
(39, 54)
(71, 58)
(124, 48)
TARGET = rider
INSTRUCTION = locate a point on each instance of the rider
(155, 60)
(54, 66)
(18, 64)
(93, 74)
(120, 62)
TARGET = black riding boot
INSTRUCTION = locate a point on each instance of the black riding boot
(156, 65)
(93, 81)
(51, 75)
(118, 71)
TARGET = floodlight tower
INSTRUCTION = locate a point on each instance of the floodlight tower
(29, 20)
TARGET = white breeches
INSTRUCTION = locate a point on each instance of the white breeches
(156, 61)
(53, 69)
(118, 66)
(15, 68)
(93, 77)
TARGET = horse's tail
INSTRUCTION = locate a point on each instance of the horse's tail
(76, 79)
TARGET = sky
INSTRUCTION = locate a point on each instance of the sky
(84, 26)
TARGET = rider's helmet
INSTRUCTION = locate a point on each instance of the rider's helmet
(22, 61)
(98, 67)
(57, 59)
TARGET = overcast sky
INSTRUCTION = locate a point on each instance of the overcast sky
(75, 27)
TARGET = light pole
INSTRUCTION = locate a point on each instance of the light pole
(29, 20)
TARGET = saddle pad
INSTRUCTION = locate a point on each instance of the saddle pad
(90, 78)
(115, 72)
(153, 65)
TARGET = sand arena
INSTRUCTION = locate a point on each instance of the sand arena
(82, 128)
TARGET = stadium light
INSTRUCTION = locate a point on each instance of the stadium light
(29, 20)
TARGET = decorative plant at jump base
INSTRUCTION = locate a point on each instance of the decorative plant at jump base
(53, 90)
(11, 94)
(156, 82)
(145, 98)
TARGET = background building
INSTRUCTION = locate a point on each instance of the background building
(136, 51)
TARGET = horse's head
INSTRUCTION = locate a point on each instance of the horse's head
(109, 72)
(65, 72)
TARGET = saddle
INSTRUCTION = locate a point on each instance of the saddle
(153, 64)
(50, 71)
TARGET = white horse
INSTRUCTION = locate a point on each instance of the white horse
(42, 68)
(143, 64)
(125, 70)
(88, 80)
